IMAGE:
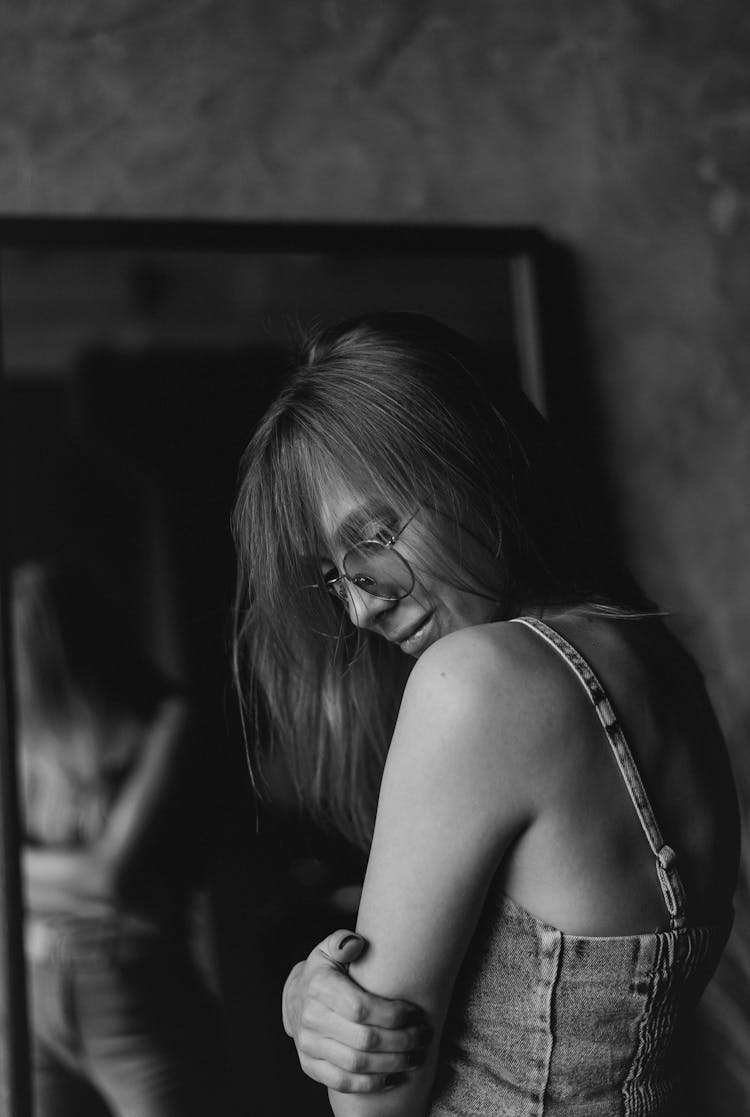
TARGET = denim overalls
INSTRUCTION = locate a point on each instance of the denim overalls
(544, 1023)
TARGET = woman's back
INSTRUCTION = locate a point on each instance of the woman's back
(584, 864)
(590, 1019)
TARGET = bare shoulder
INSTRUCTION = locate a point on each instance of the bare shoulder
(499, 659)
(492, 697)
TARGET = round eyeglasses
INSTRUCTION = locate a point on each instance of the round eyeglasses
(375, 567)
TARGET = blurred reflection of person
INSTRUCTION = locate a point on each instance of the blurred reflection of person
(122, 1023)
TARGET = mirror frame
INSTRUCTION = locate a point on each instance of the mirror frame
(522, 249)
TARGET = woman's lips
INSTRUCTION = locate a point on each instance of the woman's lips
(417, 640)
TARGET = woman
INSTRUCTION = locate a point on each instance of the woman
(520, 900)
(122, 1024)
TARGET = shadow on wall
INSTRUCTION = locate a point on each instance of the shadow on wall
(574, 405)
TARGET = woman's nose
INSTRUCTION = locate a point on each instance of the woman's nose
(364, 608)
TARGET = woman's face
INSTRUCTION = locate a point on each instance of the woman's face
(434, 606)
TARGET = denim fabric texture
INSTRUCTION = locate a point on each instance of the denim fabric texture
(547, 1024)
(122, 1026)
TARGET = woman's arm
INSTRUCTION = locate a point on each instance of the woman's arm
(455, 793)
(92, 877)
(347, 1037)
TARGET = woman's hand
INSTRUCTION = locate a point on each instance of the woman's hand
(346, 1038)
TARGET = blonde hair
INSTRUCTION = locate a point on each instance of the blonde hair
(397, 408)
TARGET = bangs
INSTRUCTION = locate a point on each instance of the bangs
(387, 422)
(298, 465)
(389, 442)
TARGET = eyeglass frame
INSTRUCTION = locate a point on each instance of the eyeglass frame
(388, 544)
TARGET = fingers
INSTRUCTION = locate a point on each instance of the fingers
(358, 1006)
(347, 1082)
(359, 1063)
(319, 1022)
(346, 1038)
(343, 947)
(335, 989)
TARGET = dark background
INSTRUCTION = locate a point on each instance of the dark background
(619, 127)
(134, 378)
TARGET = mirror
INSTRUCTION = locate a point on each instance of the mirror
(138, 357)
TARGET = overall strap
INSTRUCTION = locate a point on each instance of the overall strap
(666, 867)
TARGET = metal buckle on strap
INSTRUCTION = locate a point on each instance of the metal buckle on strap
(666, 857)
(672, 890)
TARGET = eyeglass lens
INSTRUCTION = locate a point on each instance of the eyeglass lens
(379, 570)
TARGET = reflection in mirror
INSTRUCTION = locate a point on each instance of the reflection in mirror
(109, 860)
(159, 895)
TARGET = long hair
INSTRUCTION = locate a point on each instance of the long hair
(398, 409)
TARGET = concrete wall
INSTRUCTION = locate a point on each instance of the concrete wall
(622, 128)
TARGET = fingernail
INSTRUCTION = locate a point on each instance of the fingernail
(393, 1080)
(347, 939)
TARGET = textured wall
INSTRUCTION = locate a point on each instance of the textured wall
(622, 128)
